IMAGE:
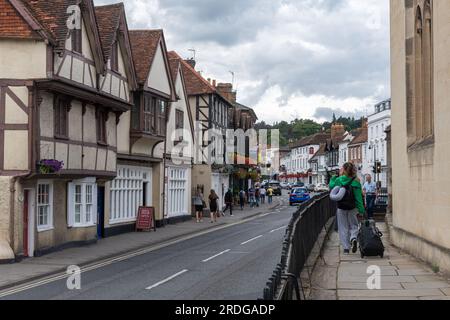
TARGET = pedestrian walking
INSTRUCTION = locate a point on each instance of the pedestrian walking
(257, 196)
(198, 202)
(213, 206)
(251, 197)
(270, 195)
(349, 207)
(229, 202)
(370, 193)
(263, 193)
(242, 199)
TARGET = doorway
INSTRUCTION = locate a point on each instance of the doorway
(28, 223)
(101, 212)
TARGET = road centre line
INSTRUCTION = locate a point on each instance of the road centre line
(275, 230)
(109, 261)
(251, 240)
(167, 279)
(217, 255)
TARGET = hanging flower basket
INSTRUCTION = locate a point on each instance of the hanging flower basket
(50, 166)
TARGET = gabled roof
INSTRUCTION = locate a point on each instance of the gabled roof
(52, 16)
(16, 22)
(176, 71)
(361, 138)
(321, 152)
(144, 44)
(108, 20)
(175, 64)
(248, 109)
(195, 83)
(316, 139)
(111, 19)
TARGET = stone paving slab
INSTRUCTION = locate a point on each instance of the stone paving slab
(446, 291)
(390, 293)
(427, 285)
(402, 276)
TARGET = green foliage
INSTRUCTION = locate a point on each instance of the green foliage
(300, 128)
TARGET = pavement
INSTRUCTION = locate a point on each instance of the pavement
(344, 277)
(225, 261)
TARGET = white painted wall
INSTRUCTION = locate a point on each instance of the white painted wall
(22, 59)
(158, 77)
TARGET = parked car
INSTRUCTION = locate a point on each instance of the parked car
(276, 187)
(298, 196)
(311, 187)
(322, 187)
(284, 185)
(297, 185)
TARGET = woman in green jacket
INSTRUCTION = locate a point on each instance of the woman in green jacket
(348, 224)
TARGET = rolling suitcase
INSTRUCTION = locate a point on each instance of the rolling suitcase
(369, 238)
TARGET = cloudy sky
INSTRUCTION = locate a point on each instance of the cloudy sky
(291, 58)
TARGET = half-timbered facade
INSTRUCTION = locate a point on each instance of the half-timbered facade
(142, 132)
(60, 102)
(212, 114)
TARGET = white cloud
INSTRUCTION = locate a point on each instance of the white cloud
(290, 57)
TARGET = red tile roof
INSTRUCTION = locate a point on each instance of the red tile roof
(12, 24)
(108, 20)
(195, 83)
(144, 44)
(316, 139)
(174, 61)
(361, 138)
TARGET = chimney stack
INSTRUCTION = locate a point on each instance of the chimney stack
(226, 90)
(337, 130)
(191, 62)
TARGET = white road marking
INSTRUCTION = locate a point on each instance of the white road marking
(119, 258)
(266, 214)
(275, 230)
(251, 240)
(167, 280)
(217, 255)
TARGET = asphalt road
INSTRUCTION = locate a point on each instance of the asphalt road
(229, 264)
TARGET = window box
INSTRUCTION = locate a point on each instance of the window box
(48, 166)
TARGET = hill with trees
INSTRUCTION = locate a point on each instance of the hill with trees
(300, 128)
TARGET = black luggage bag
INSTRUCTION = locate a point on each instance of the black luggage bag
(369, 238)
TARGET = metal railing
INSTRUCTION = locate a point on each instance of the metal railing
(301, 235)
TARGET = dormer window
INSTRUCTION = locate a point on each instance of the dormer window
(77, 40)
(115, 57)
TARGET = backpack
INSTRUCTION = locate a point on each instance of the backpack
(348, 203)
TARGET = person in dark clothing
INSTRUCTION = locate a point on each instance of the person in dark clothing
(213, 206)
(229, 202)
(242, 199)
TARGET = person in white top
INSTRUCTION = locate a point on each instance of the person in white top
(262, 194)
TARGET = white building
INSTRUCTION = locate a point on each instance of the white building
(377, 146)
(302, 152)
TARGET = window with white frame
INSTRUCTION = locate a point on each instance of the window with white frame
(82, 203)
(44, 206)
(128, 193)
(177, 197)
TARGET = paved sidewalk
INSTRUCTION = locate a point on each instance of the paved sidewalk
(340, 277)
(30, 269)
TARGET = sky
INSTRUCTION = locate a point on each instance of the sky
(290, 58)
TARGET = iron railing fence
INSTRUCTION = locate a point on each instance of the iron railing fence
(301, 235)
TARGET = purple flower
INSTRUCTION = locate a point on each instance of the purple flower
(50, 166)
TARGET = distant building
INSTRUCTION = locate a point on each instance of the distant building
(379, 121)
